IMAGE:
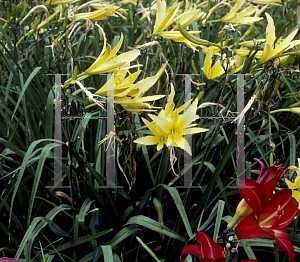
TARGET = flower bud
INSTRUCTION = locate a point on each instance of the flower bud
(242, 210)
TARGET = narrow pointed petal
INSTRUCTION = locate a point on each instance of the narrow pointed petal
(207, 63)
(263, 169)
(232, 14)
(184, 106)
(117, 47)
(107, 67)
(253, 195)
(147, 140)
(194, 130)
(192, 249)
(270, 178)
(246, 20)
(285, 44)
(100, 60)
(270, 30)
(151, 127)
(160, 15)
(168, 20)
(170, 100)
(209, 248)
(282, 244)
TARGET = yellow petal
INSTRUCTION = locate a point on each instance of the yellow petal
(246, 20)
(129, 56)
(270, 30)
(232, 14)
(160, 16)
(194, 130)
(159, 146)
(117, 47)
(267, 53)
(100, 60)
(147, 140)
(181, 142)
(164, 124)
(167, 21)
(151, 127)
(107, 67)
(285, 44)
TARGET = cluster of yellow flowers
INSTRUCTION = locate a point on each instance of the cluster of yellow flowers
(126, 93)
(169, 127)
(271, 50)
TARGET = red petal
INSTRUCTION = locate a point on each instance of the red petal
(252, 192)
(269, 179)
(269, 185)
(273, 218)
(6, 259)
(281, 244)
(248, 227)
(191, 249)
(209, 248)
(262, 168)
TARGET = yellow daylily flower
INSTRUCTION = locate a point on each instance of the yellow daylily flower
(215, 49)
(120, 84)
(244, 52)
(296, 184)
(108, 61)
(176, 36)
(137, 104)
(190, 15)
(172, 126)
(241, 17)
(265, 2)
(126, 2)
(104, 10)
(179, 126)
(238, 64)
(59, 2)
(128, 94)
(164, 18)
(209, 71)
(269, 51)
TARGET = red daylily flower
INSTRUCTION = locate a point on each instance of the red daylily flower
(268, 179)
(270, 218)
(6, 259)
(209, 251)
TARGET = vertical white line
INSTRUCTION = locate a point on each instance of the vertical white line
(240, 152)
(110, 154)
(57, 136)
(188, 172)
(187, 158)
